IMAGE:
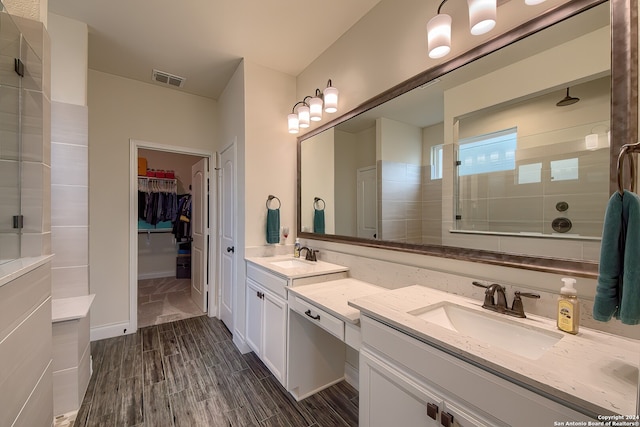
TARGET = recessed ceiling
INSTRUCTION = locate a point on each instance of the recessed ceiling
(204, 41)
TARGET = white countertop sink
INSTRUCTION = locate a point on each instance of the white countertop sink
(294, 268)
(592, 370)
(494, 330)
(292, 263)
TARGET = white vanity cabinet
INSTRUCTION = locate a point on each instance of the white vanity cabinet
(267, 318)
(404, 381)
(267, 327)
(267, 310)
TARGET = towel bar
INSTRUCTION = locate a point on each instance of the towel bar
(316, 200)
(627, 150)
(270, 198)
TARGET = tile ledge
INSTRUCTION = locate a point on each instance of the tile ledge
(72, 308)
(19, 267)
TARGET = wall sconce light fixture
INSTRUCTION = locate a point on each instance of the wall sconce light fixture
(310, 108)
(482, 19)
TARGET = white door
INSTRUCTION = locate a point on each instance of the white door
(227, 230)
(199, 232)
(367, 206)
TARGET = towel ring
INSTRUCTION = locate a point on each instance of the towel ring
(270, 198)
(316, 205)
(627, 150)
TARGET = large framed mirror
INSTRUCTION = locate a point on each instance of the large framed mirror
(505, 154)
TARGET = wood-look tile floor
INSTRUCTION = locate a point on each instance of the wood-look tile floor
(189, 373)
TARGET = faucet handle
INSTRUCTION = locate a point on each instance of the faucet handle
(480, 285)
(518, 308)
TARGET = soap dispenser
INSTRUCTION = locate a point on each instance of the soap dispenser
(296, 248)
(568, 307)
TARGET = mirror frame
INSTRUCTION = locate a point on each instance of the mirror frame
(624, 128)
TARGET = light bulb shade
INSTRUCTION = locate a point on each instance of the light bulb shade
(293, 123)
(591, 141)
(439, 36)
(315, 108)
(533, 2)
(330, 95)
(303, 116)
(482, 16)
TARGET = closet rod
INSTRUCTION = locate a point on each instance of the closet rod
(158, 179)
(155, 230)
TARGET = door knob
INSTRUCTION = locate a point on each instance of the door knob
(231, 249)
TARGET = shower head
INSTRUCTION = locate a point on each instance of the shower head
(567, 100)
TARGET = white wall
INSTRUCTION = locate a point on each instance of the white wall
(121, 109)
(69, 53)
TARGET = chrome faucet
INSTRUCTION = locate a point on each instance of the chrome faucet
(500, 305)
(311, 254)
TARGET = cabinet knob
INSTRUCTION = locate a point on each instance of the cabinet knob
(231, 249)
(432, 410)
(446, 419)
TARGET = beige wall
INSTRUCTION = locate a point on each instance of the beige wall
(318, 180)
(120, 109)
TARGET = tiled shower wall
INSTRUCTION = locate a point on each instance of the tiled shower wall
(70, 199)
(400, 202)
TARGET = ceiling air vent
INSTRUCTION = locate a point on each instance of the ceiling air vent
(167, 78)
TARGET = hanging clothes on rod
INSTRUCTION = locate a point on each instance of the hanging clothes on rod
(157, 199)
(182, 220)
(618, 289)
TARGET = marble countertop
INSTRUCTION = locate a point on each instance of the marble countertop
(591, 370)
(333, 296)
(310, 268)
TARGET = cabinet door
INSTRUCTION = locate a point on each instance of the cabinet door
(390, 398)
(254, 316)
(275, 335)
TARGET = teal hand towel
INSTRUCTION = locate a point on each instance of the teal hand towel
(318, 221)
(618, 289)
(273, 225)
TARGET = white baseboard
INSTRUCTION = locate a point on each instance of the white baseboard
(351, 375)
(110, 331)
(157, 275)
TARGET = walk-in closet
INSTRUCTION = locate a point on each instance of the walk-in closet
(165, 208)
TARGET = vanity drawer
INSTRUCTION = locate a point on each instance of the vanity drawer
(326, 321)
(274, 283)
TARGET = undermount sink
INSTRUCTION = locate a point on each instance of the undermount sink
(291, 263)
(492, 329)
